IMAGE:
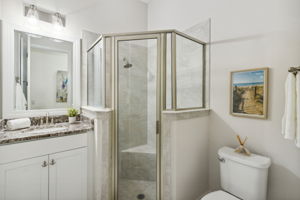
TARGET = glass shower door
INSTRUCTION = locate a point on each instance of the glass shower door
(96, 76)
(137, 108)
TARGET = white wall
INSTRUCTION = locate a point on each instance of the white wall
(112, 16)
(100, 16)
(184, 155)
(245, 34)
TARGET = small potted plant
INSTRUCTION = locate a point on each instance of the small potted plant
(72, 113)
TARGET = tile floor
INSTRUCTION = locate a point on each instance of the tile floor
(130, 189)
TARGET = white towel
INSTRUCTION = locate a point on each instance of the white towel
(18, 123)
(289, 118)
(297, 138)
(20, 98)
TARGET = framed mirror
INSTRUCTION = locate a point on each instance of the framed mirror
(43, 73)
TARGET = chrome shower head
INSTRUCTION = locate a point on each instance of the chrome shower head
(127, 64)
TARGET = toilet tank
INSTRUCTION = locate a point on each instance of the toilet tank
(244, 176)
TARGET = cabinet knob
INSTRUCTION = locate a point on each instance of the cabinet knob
(44, 164)
(52, 162)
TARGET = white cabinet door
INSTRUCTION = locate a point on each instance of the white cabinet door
(68, 175)
(24, 180)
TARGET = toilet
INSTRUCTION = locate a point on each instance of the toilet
(242, 177)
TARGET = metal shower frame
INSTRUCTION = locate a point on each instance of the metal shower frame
(161, 37)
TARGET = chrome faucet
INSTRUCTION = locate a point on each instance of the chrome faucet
(47, 118)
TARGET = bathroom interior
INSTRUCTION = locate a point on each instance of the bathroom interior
(149, 99)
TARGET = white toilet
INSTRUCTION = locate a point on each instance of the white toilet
(242, 177)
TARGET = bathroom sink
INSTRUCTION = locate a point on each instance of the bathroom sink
(44, 130)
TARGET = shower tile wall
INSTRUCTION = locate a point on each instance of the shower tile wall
(108, 73)
(138, 166)
(132, 93)
(151, 77)
(137, 116)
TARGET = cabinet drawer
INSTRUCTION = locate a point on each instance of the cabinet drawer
(20, 151)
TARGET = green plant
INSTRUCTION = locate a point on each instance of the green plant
(72, 112)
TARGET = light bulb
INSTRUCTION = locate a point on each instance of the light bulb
(32, 14)
(57, 21)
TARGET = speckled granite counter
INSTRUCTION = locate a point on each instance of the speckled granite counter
(44, 132)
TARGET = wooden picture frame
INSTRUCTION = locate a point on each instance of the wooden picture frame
(249, 93)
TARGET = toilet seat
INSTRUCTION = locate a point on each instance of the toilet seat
(219, 195)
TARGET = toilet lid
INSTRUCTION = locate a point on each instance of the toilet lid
(219, 195)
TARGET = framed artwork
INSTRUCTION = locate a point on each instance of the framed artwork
(249, 93)
(62, 86)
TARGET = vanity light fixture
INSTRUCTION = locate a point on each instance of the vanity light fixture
(57, 20)
(32, 14)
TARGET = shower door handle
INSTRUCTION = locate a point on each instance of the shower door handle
(157, 127)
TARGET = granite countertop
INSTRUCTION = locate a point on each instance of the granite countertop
(44, 132)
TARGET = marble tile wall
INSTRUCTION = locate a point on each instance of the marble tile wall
(138, 166)
(151, 93)
(169, 156)
(137, 115)
(108, 73)
(100, 156)
(132, 95)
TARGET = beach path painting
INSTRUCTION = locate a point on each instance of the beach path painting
(249, 93)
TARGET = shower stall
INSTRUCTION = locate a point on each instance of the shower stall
(139, 76)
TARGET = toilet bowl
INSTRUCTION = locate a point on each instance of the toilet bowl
(242, 177)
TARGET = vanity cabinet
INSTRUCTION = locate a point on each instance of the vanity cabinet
(67, 175)
(59, 173)
(24, 180)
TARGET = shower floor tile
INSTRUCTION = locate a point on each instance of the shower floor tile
(146, 148)
(130, 189)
